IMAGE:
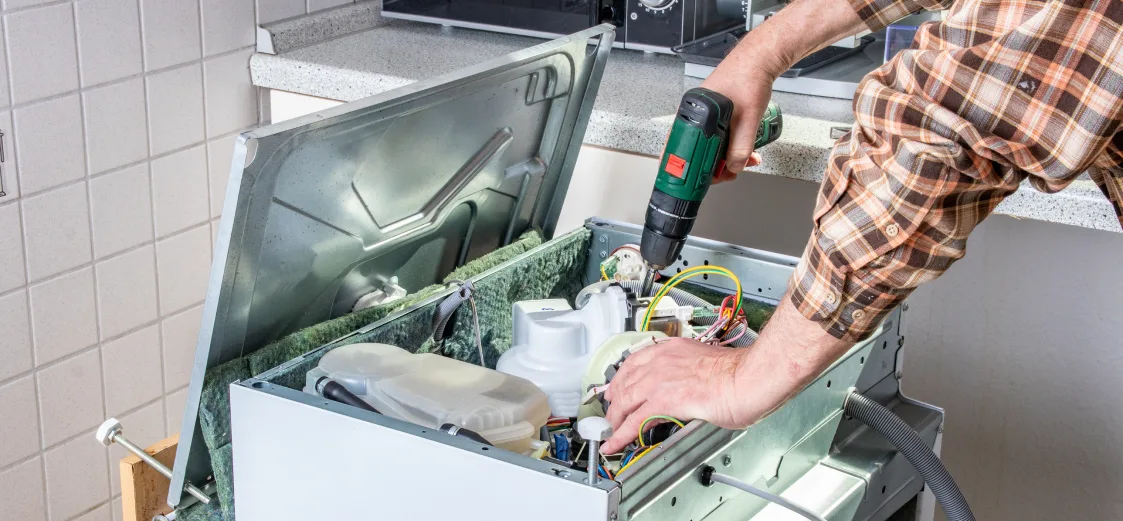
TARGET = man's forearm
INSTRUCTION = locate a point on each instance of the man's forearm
(803, 27)
(790, 353)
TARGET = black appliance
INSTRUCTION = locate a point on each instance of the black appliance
(648, 25)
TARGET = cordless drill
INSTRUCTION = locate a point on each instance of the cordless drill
(695, 153)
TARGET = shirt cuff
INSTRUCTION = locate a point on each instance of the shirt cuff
(843, 304)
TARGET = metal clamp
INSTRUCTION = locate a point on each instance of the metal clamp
(110, 432)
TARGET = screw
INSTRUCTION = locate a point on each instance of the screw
(602, 239)
(940, 429)
(634, 16)
(110, 432)
(614, 516)
(726, 460)
(594, 430)
(603, 254)
(899, 375)
(905, 306)
(900, 341)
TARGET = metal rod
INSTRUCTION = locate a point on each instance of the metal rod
(110, 433)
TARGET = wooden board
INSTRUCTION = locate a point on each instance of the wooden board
(144, 491)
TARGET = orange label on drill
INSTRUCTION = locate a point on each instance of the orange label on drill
(675, 165)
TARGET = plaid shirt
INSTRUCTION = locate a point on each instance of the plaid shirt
(998, 92)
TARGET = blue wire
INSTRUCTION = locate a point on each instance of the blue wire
(627, 458)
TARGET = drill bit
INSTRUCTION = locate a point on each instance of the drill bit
(648, 281)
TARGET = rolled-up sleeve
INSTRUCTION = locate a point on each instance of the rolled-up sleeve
(877, 14)
(894, 212)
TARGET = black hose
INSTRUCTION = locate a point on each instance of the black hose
(335, 391)
(909, 444)
(455, 430)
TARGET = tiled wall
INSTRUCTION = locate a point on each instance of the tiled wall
(119, 119)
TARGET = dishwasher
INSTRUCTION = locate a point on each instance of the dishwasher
(419, 225)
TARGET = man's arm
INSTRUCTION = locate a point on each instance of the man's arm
(735, 388)
(801, 28)
(747, 74)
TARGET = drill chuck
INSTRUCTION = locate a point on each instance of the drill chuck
(667, 223)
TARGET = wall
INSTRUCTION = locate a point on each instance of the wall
(1020, 341)
(119, 118)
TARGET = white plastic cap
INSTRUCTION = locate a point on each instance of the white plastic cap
(106, 431)
(594, 428)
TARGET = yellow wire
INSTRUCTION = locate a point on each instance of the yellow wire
(604, 276)
(657, 417)
(635, 459)
(688, 273)
(698, 270)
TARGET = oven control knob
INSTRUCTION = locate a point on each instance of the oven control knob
(657, 5)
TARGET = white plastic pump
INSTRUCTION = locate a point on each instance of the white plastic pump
(552, 347)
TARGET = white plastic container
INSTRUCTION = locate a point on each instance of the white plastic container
(431, 390)
(552, 349)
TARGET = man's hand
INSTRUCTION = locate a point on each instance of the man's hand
(750, 92)
(747, 74)
(730, 388)
(678, 377)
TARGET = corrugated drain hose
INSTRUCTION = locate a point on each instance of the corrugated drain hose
(909, 444)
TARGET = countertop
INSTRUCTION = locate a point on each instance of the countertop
(633, 110)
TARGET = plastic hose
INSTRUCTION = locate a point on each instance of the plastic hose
(456, 430)
(335, 391)
(909, 443)
(710, 477)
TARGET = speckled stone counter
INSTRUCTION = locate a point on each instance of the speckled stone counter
(634, 108)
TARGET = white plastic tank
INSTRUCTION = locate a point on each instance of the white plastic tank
(431, 390)
(553, 347)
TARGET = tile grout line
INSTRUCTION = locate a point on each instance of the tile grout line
(113, 256)
(26, 288)
(41, 453)
(24, 9)
(92, 264)
(117, 81)
(85, 350)
(82, 109)
(152, 215)
(133, 164)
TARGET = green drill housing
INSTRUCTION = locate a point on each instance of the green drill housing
(697, 144)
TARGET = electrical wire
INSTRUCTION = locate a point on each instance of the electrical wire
(686, 274)
(765, 495)
(627, 457)
(657, 417)
(744, 330)
(479, 339)
(717, 326)
(641, 454)
(603, 274)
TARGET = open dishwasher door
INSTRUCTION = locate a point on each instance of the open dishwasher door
(412, 183)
